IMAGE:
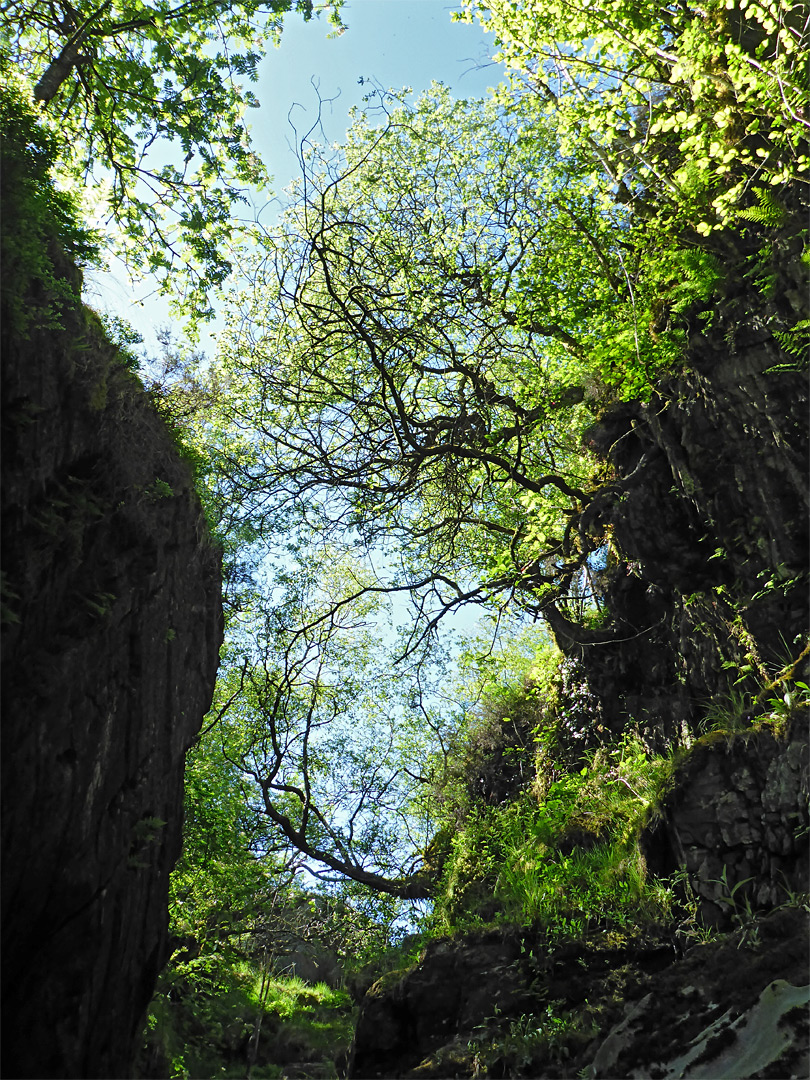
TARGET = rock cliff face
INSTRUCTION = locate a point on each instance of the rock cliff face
(707, 514)
(507, 1004)
(111, 630)
(739, 817)
(709, 510)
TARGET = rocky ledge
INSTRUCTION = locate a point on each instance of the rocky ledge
(657, 1005)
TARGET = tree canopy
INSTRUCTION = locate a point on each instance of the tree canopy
(421, 342)
(688, 106)
(148, 101)
(416, 349)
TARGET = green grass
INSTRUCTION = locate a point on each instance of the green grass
(200, 1029)
(287, 995)
(565, 855)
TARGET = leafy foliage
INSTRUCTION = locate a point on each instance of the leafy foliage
(775, 700)
(147, 101)
(442, 310)
(544, 1036)
(562, 850)
(454, 295)
(447, 303)
(687, 106)
(796, 342)
(244, 1022)
(768, 212)
(38, 217)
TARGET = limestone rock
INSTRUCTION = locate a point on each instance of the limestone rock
(722, 836)
(710, 494)
(731, 1009)
(112, 625)
(457, 985)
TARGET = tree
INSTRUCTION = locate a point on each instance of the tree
(448, 302)
(226, 884)
(148, 100)
(420, 345)
(689, 107)
(325, 737)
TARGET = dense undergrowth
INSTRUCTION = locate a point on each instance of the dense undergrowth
(246, 1022)
(564, 850)
(564, 853)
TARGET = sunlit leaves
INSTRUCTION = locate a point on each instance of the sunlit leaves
(152, 96)
(422, 339)
(323, 733)
(657, 86)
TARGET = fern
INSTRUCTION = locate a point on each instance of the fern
(795, 342)
(770, 211)
(700, 273)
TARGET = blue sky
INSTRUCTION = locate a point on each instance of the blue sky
(392, 42)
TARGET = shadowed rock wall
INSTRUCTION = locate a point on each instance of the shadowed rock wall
(111, 630)
(510, 1004)
(738, 821)
(709, 511)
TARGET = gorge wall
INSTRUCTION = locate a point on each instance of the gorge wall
(111, 629)
(708, 510)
